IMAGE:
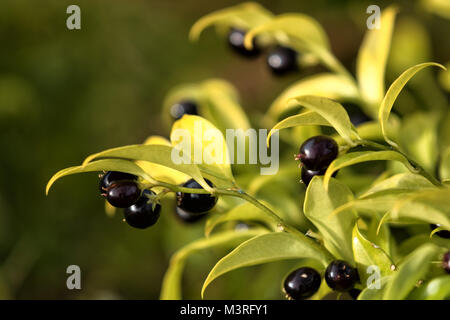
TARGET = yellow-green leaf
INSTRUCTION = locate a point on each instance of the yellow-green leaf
(154, 153)
(413, 268)
(326, 85)
(363, 156)
(444, 168)
(392, 93)
(436, 289)
(245, 15)
(335, 229)
(100, 165)
(268, 248)
(372, 57)
(308, 118)
(171, 286)
(333, 112)
(368, 254)
(205, 145)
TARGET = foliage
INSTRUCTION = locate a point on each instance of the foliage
(342, 222)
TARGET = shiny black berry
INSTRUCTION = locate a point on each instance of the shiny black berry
(196, 202)
(302, 283)
(141, 214)
(307, 175)
(443, 233)
(236, 41)
(187, 216)
(282, 60)
(340, 276)
(183, 107)
(123, 194)
(113, 176)
(446, 262)
(318, 152)
(354, 293)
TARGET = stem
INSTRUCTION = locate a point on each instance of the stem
(239, 193)
(419, 169)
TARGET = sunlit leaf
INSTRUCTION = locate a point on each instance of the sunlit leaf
(245, 16)
(444, 168)
(101, 165)
(335, 229)
(372, 57)
(267, 248)
(392, 93)
(373, 293)
(436, 289)
(157, 154)
(405, 181)
(206, 146)
(368, 254)
(332, 112)
(171, 286)
(413, 268)
(326, 85)
(243, 212)
(308, 118)
(363, 156)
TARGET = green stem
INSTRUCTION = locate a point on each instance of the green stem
(419, 169)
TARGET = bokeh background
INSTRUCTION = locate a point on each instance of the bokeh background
(66, 94)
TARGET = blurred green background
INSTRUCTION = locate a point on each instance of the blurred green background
(66, 94)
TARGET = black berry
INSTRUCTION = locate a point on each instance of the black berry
(236, 41)
(195, 202)
(282, 60)
(340, 276)
(446, 262)
(302, 283)
(113, 176)
(443, 233)
(307, 175)
(318, 152)
(187, 216)
(354, 293)
(183, 107)
(123, 194)
(141, 214)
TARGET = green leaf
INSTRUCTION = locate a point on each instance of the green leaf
(418, 136)
(154, 153)
(296, 26)
(392, 93)
(101, 165)
(444, 168)
(413, 268)
(363, 156)
(374, 294)
(404, 181)
(436, 289)
(335, 229)
(245, 15)
(202, 142)
(308, 118)
(268, 248)
(243, 212)
(326, 85)
(368, 254)
(223, 106)
(372, 57)
(435, 202)
(171, 286)
(334, 113)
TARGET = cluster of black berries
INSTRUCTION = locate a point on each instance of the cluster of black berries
(304, 282)
(121, 190)
(281, 60)
(315, 156)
